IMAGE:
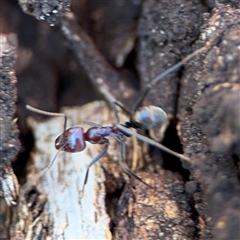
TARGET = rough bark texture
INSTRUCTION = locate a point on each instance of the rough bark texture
(78, 61)
(9, 133)
(9, 142)
(50, 12)
(209, 114)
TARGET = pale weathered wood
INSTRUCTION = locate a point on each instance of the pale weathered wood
(69, 215)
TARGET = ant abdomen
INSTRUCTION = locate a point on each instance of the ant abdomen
(72, 140)
(148, 117)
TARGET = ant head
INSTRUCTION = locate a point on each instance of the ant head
(72, 140)
(148, 117)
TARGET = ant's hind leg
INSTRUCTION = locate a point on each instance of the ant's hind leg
(124, 167)
(130, 173)
(93, 162)
(152, 142)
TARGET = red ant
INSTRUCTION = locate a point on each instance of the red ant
(74, 138)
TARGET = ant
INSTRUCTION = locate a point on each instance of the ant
(74, 139)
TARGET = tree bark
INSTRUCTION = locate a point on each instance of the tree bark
(189, 200)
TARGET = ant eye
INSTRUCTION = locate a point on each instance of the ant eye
(149, 117)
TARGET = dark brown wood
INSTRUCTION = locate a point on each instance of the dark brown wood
(9, 133)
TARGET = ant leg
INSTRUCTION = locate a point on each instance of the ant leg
(151, 142)
(55, 157)
(124, 167)
(116, 118)
(122, 107)
(139, 101)
(94, 161)
(176, 66)
(165, 73)
(41, 173)
(92, 124)
(52, 114)
(114, 104)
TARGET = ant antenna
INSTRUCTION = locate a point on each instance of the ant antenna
(123, 166)
(51, 114)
